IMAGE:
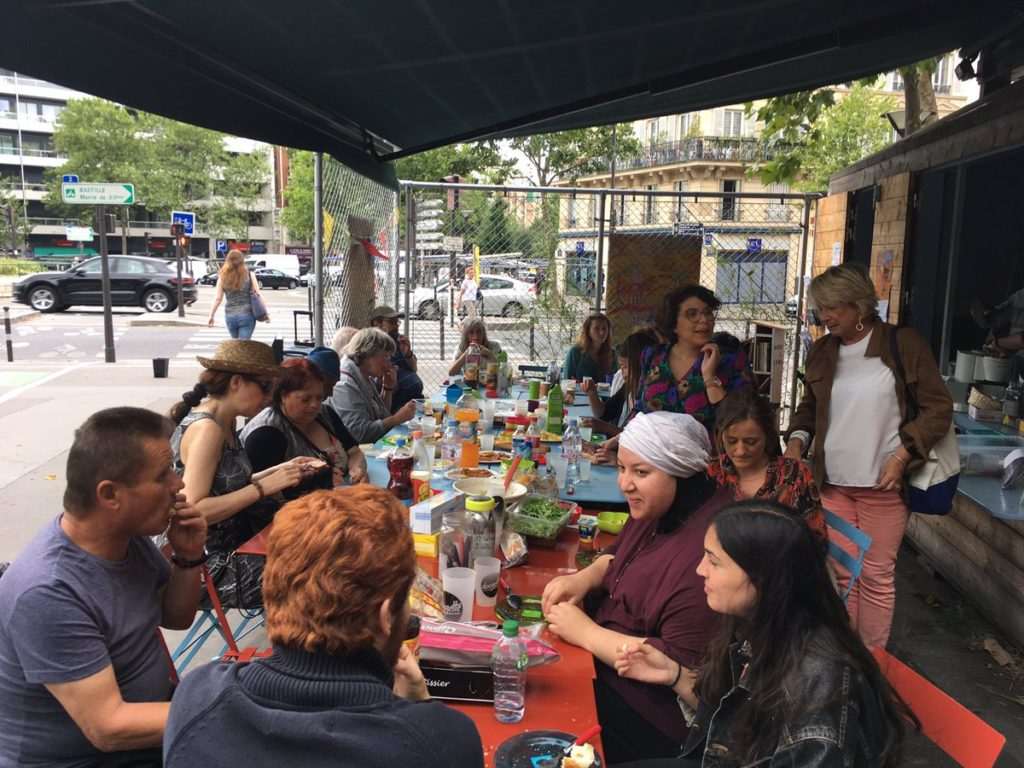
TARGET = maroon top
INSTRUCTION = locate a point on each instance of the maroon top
(652, 590)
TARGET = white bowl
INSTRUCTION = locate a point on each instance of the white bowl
(483, 486)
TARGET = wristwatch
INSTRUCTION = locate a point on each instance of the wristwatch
(186, 564)
(714, 381)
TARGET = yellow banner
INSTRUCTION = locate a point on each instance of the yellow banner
(476, 262)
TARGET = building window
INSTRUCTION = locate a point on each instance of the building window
(649, 206)
(733, 122)
(682, 213)
(730, 207)
(940, 77)
(897, 81)
(751, 278)
(652, 132)
(779, 209)
(572, 209)
(685, 123)
(7, 143)
(621, 218)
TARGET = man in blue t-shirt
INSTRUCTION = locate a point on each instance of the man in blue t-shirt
(82, 671)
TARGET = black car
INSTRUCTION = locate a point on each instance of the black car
(208, 279)
(135, 281)
(274, 278)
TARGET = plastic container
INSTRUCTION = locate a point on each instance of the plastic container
(555, 423)
(527, 519)
(451, 446)
(509, 661)
(479, 526)
(400, 464)
(471, 366)
(572, 447)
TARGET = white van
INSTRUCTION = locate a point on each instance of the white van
(286, 262)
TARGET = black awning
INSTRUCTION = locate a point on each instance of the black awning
(371, 81)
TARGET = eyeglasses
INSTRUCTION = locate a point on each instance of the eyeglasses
(265, 385)
(692, 314)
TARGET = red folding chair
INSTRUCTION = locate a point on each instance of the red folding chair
(956, 730)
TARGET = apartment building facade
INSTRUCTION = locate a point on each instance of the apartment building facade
(29, 109)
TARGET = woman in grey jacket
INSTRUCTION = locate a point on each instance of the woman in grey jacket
(364, 409)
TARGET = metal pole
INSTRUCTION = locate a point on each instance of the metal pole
(804, 239)
(946, 343)
(600, 252)
(108, 317)
(318, 248)
(533, 345)
(452, 266)
(410, 249)
(124, 231)
(440, 319)
(177, 259)
(7, 334)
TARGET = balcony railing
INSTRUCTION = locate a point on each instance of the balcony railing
(27, 151)
(698, 149)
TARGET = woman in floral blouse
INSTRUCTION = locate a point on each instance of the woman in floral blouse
(750, 461)
(695, 371)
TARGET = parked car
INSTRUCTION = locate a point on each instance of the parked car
(208, 279)
(502, 295)
(275, 278)
(135, 281)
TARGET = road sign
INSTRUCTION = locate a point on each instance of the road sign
(452, 243)
(98, 194)
(69, 178)
(687, 230)
(753, 244)
(185, 218)
(222, 246)
(78, 234)
(709, 239)
(429, 225)
(581, 247)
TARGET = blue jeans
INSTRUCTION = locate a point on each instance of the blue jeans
(240, 326)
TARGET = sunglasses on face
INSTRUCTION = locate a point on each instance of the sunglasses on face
(693, 314)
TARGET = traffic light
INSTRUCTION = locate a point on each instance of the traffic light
(183, 240)
(177, 230)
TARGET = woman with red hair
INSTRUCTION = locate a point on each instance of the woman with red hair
(298, 423)
(340, 689)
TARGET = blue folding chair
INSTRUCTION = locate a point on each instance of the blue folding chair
(861, 540)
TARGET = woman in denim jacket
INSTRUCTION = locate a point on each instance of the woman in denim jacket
(788, 682)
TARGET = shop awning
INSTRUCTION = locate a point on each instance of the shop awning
(369, 81)
(59, 250)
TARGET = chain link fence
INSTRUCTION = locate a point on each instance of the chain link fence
(548, 257)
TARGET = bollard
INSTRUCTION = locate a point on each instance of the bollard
(161, 367)
(441, 323)
(7, 334)
(533, 348)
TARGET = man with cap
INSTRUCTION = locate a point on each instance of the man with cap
(403, 378)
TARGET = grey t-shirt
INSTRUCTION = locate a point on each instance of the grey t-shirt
(65, 615)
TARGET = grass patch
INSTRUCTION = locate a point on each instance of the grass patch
(15, 267)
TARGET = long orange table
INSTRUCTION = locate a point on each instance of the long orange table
(558, 696)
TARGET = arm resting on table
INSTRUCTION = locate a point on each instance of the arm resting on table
(105, 718)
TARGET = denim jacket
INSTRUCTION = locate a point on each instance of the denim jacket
(841, 726)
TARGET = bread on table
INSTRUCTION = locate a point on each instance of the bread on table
(582, 756)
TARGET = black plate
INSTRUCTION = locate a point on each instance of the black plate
(536, 749)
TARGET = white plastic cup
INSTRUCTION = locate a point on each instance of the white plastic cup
(561, 467)
(459, 586)
(584, 471)
(488, 570)
(487, 415)
(521, 406)
(586, 433)
(487, 442)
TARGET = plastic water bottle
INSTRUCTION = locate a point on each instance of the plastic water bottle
(451, 445)
(572, 445)
(508, 663)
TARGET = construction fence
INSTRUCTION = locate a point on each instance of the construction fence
(548, 257)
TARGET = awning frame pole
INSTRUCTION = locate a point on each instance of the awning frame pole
(318, 248)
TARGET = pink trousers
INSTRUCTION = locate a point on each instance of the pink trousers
(882, 515)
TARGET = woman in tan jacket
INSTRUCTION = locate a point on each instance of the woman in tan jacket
(854, 416)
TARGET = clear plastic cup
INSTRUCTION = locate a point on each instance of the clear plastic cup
(459, 587)
(561, 466)
(584, 470)
(487, 416)
(586, 433)
(521, 406)
(487, 442)
(487, 569)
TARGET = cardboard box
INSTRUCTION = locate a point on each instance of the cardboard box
(458, 683)
(428, 516)
(986, 415)
(426, 544)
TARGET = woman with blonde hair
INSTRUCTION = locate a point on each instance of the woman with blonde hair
(592, 354)
(236, 286)
(874, 405)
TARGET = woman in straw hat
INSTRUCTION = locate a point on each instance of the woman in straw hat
(218, 476)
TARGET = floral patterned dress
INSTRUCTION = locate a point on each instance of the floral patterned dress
(787, 481)
(659, 390)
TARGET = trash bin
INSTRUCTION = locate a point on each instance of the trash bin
(160, 366)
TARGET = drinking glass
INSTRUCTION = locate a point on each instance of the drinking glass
(584, 471)
(487, 569)
(586, 433)
(487, 442)
(459, 586)
(561, 466)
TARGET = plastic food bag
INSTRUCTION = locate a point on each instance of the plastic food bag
(464, 644)
(1013, 469)
(426, 596)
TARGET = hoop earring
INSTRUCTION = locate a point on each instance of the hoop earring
(860, 326)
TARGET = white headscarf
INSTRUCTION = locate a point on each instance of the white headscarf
(675, 443)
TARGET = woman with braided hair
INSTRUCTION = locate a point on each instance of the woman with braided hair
(218, 476)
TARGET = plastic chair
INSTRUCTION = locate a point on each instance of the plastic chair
(953, 728)
(208, 620)
(861, 540)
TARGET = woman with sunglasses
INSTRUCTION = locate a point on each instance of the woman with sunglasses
(218, 476)
(693, 372)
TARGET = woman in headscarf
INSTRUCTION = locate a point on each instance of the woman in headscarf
(645, 586)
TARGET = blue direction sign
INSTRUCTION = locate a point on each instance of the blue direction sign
(187, 218)
(753, 244)
(581, 247)
(708, 238)
(69, 178)
(222, 246)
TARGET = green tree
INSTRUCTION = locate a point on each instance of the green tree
(479, 161)
(298, 197)
(179, 164)
(794, 121)
(235, 196)
(14, 228)
(567, 155)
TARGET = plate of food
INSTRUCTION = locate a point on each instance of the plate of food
(465, 473)
(550, 437)
(494, 457)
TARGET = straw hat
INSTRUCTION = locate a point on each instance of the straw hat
(253, 358)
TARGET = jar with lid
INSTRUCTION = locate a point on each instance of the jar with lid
(479, 527)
